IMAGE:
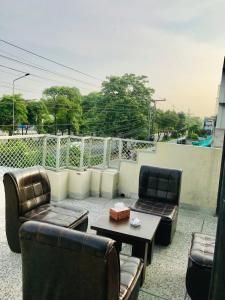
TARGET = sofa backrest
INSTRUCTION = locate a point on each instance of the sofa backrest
(60, 263)
(27, 189)
(160, 184)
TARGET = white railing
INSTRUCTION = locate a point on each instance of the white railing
(71, 152)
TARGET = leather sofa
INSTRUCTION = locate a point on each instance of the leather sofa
(159, 194)
(200, 264)
(59, 263)
(28, 196)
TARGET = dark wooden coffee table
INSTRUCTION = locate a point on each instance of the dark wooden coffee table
(141, 238)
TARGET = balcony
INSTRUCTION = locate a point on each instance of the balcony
(165, 277)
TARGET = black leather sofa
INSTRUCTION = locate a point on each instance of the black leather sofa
(159, 194)
(28, 195)
(59, 263)
(200, 264)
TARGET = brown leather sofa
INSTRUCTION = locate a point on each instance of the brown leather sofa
(59, 263)
(159, 194)
(200, 264)
(28, 195)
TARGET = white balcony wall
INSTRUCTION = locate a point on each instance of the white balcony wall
(201, 170)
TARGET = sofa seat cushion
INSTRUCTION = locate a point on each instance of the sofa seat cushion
(56, 215)
(202, 249)
(166, 211)
(129, 267)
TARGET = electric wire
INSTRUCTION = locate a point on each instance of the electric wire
(49, 59)
(46, 70)
(36, 76)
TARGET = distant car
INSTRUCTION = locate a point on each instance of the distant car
(151, 138)
(181, 141)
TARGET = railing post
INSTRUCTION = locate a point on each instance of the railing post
(109, 151)
(44, 151)
(82, 155)
(89, 152)
(67, 151)
(57, 153)
(120, 148)
(105, 156)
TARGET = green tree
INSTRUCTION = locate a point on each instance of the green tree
(64, 103)
(6, 112)
(90, 109)
(182, 122)
(166, 122)
(195, 125)
(37, 114)
(122, 107)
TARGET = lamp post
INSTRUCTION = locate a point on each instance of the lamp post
(25, 75)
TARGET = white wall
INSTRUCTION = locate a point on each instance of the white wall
(201, 169)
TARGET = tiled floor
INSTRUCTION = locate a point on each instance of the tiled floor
(165, 277)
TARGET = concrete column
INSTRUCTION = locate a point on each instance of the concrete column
(109, 185)
(96, 180)
(79, 184)
(59, 184)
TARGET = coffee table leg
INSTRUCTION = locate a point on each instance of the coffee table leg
(138, 250)
(141, 250)
(145, 261)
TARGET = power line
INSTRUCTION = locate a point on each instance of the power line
(120, 133)
(16, 70)
(46, 70)
(19, 89)
(114, 121)
(25, 60)
(5, 72)
(34, 75)
(50, 60)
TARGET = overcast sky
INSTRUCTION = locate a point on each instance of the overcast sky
(178, 44)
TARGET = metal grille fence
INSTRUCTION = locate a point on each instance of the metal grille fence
(20, 153)
(72, 152)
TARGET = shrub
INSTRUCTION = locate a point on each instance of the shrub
(193, 136)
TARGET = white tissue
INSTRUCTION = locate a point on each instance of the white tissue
(119, 206)
(135, 222)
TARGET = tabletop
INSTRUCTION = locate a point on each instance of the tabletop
(144, 232)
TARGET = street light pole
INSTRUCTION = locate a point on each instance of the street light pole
(25, 75)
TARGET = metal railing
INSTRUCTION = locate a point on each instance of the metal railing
(71, 152)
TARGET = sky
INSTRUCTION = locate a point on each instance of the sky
(178, 44)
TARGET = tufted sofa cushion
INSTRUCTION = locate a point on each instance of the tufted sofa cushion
(202, 249)
(56, 215)
(165, 210)
(159, 184)
(32, 188)
(200, 262)
(129, 267)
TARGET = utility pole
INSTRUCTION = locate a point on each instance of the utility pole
(152, 116)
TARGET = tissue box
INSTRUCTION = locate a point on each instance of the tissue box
(119, 214)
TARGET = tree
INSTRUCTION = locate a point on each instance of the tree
(182, 122)
(37, 114)
(64, 104)
(195, 126)
(122, 107)
(166, 122)
(90, 109)
(6, 112)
